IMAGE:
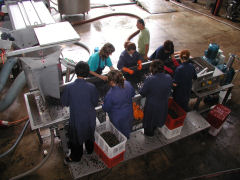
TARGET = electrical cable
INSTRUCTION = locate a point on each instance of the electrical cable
(17, 141)
(215, 174)
(196, 11)
(41, 163)
(54, 2)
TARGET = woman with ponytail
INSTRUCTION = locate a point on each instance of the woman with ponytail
(118, 102)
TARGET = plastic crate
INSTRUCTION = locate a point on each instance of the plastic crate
(170, 133)
(110, 162)
(217, 116)
(109, 154)
(172, 123)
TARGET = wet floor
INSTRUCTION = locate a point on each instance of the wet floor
(192, 156)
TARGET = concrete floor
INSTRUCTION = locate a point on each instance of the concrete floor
(193, 156)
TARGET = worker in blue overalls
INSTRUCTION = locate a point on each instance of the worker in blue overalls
(157, 90)
(183, 77)
(82, 98)
(165, 53)
(99, 60)
(118, 102)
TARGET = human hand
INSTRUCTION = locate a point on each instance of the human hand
(139, 65)
(105, 78)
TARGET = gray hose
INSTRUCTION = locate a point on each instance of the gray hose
(13, 91)
(17, 141)
(196, 11)
(5, 72)
(41, 163)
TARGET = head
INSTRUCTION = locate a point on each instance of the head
(156, 66)
(82, 69)
(115, 77)
(130, 47)
(140, 24)
(106, 51)
(184, 55)
(168, 46)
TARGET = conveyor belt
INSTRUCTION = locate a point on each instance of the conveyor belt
(139, 144)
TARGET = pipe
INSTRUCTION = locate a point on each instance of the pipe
(104, 16)
(41, 163)
(196, 11)
(6, 70)
(17, 141)
(13, 91)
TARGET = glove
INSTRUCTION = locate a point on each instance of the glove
(176, 64)
(139, 65)
(127, 70)
(169, 70)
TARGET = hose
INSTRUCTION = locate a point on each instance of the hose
(109, 5)
(104, 16)
(196, 11)
(17, 141)
(13, 91)
(7, 123)
(41, 163)
(6, 70)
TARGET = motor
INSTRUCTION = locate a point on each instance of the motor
(233, 9)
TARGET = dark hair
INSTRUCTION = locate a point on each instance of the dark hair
(184, 55)
(141, 21)
(168, 45)
(117, 77)
(156, 66)
(106, 50)
(130, 46)
(82, 69)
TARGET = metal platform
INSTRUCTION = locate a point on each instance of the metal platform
(139, 144)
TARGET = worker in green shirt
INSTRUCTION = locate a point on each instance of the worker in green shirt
(143, 39)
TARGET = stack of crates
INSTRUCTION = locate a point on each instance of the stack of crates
(173, 127)
(111, 156)
(216, 117)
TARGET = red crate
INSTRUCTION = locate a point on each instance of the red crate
(217, 116)
(172, 123)
(110, 162)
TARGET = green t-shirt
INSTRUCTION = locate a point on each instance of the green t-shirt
(143, 39)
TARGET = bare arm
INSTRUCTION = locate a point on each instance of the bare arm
(98, 75)
(146, 51)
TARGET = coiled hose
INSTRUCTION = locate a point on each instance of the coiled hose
(41, 163)
(13, 91)
(17, 141)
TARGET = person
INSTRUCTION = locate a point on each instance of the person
(165, 53)
(82, 98)
(118, 102)
(183, 80)
(157, 90)
(99, 60)
(129, 58)
(143, 39)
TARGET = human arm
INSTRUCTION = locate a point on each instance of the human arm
(139, 62)
(146, 52)
(95, 96)
(105, 78)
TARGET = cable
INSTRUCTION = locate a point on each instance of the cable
(104, 16)
(196, 11)
(17, 141)
(214, 174)
(54, 2)
(41, 163)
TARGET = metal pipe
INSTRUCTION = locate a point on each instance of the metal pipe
(17, 141)
(13, 91)
(6, 70)
(107, 5)
(196, 11)
(41, 163)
